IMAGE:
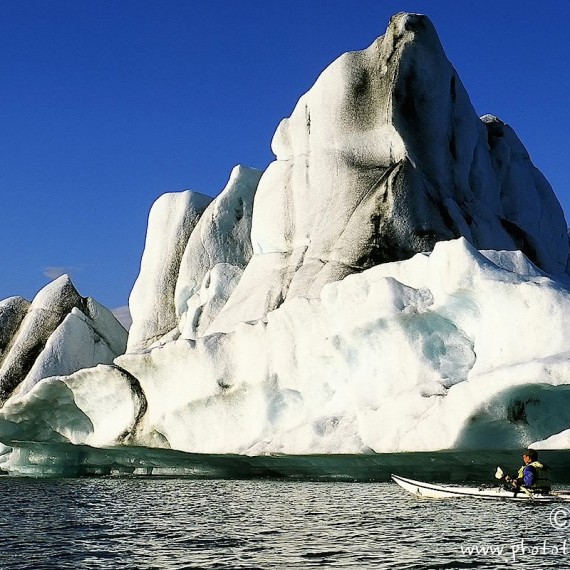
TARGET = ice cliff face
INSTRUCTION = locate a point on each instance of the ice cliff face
(171, 221)
(392, 282)
(195, 253)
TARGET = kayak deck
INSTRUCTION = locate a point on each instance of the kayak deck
(432, 491)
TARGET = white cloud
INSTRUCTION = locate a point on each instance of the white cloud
(53, 272)
(123, 315)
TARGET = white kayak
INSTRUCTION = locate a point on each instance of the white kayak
(429, 490)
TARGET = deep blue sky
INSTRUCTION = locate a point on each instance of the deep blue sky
(107, 104)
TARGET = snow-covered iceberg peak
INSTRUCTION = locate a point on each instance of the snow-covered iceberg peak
(380, 159)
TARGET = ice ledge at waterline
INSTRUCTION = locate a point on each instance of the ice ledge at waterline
(457, 349)
(301, 310)
(80, 460)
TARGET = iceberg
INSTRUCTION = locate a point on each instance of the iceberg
(395, 282)
(60, 332)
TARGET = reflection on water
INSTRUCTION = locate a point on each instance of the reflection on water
(183, 523)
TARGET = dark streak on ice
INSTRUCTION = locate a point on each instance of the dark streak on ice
(140, 398)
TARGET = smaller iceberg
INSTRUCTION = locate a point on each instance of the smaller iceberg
(58, 333)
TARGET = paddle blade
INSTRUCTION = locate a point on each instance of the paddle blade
(499, 473)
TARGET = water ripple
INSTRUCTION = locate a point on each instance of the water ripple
(182, 524)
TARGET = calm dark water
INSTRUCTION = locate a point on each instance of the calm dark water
(182, 523)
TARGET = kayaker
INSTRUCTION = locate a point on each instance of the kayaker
(533, 475)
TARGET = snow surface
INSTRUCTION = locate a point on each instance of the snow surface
(457, 349)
